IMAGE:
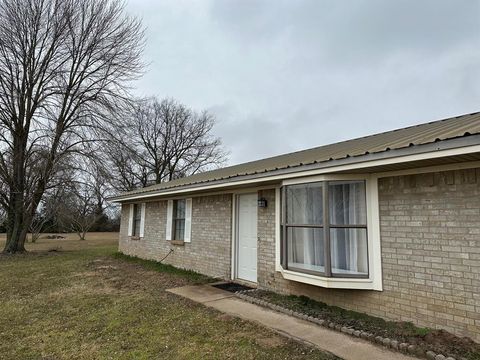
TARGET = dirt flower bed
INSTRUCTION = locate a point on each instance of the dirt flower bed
(426, 339)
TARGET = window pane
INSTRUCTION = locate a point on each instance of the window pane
(137, 212)
(179, 229)
(347, 203)
(305, 204)
(348, 249)
(306, 248)
(180, 209)
(136, 227)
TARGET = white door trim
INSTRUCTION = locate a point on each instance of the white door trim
(235, 231)
(233, 263)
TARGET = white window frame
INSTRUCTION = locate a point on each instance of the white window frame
(374, 280)
(169, 231)
(131, 215)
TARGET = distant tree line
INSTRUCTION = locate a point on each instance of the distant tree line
(71, 135)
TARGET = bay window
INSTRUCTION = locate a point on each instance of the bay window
(324, 228)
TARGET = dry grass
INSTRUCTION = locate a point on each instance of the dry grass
(71, 242)
(83, 303)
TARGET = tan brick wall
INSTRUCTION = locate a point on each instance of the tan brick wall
(430, 238)
(209, 251)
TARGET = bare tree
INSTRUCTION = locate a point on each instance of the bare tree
(78, 213)
(161, 141)
(82, 203)
(46, 215)
(39, 223)
(64, 64)
(127, 169)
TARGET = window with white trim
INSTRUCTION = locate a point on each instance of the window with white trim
(179, 219)
(137, 219)
(324, 228)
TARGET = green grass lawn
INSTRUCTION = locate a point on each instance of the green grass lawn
(82, 302)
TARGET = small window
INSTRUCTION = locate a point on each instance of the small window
(137, 218)
(324, 228)
(179, 219)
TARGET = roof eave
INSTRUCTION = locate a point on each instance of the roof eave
(462, 145)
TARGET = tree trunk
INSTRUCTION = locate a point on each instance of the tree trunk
(35, 237)
(15, 244)
(16, 235)
(17, 226)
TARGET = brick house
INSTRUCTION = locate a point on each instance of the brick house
(387, 224)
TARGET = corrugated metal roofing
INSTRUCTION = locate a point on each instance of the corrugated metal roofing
(427, 133)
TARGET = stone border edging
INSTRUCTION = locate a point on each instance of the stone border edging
(392, 344)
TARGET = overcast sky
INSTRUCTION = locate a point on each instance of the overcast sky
(287, 75)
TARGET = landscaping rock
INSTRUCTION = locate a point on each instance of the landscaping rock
(430, 355)
(356, 333)
(394, 344)
(331, 325)
(386, 342)
(450, 358)
(350, 331)
(440, 357)
(403, 347)
(343, 329)
(338, 327)
(412, 349)
(379, 339)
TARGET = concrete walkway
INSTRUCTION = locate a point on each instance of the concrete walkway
(339, 344)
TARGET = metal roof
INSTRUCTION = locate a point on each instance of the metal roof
(435, 131)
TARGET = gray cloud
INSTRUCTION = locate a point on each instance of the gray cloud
(286, 75)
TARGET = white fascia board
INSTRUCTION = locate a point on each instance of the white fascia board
(327, 170)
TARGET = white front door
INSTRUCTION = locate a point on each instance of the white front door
(247, 237)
